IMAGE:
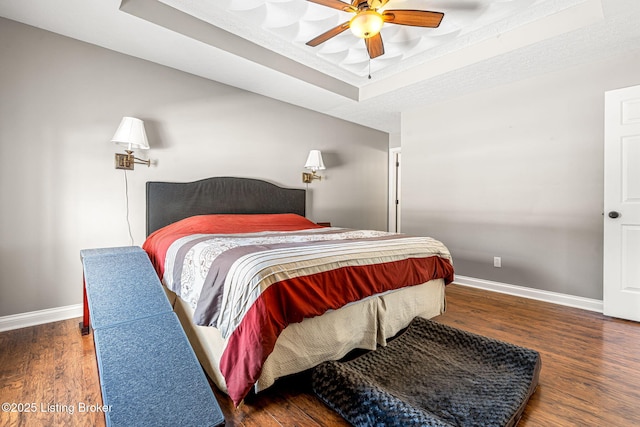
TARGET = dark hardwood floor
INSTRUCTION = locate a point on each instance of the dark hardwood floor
(590, 369)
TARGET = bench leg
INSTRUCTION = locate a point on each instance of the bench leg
(85, 329)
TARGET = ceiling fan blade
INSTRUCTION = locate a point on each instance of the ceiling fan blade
(327, 35)
(374, 46)
(336, 4)
(417, 18)
(376, 4)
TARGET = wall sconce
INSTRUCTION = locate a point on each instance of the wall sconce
(131, 134)
(314, 164)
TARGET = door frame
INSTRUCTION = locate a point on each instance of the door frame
(394, 224)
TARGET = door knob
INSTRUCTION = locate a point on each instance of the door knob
(614, 214)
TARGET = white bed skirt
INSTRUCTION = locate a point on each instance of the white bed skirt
(303, 345)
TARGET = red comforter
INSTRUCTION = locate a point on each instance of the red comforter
(159, 241)
(294, 297)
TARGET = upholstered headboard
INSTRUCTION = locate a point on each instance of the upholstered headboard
(168, 202)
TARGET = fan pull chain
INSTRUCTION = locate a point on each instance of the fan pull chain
(369, 68)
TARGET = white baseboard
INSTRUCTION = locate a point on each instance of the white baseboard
(537, 294)
(23, 320)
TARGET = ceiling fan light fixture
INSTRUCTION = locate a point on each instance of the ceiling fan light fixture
(366, 24)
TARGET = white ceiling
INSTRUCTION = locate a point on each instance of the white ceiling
(259, 45)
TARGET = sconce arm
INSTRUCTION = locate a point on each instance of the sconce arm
(308, 178)
(126, 161)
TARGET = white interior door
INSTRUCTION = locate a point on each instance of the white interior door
(622, 204)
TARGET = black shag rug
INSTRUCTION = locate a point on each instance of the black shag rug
(432, 375)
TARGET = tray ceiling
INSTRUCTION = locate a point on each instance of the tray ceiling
(259, 46)
(284, 26)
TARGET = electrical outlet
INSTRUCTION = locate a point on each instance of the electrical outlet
(497, 262)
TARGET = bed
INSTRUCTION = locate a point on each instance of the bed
(262, 292)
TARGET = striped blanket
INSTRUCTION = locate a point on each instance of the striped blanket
(252, 285)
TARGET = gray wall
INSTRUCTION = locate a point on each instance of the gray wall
(516, 172)
(61, 101)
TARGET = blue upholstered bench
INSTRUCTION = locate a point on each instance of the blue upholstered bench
(149, 374)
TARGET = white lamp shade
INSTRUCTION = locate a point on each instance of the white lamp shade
(131, 133)
(314, 161)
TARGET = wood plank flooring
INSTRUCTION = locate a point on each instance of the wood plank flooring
(590, 369)
(46, 372)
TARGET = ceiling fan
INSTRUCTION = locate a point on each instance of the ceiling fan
(368, 21)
